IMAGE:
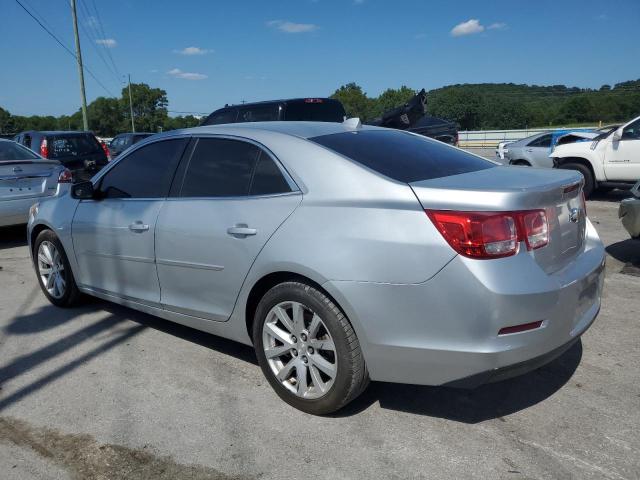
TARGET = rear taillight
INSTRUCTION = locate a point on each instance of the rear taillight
(106, 149)
(65, 176)
(485, 235)
(44, 149)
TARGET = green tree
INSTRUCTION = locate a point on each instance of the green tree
(149, 108)
(391, 98)
(105, 116)
(355, 101)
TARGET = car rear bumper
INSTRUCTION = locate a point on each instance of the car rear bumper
(445, 330)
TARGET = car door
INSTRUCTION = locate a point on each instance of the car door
(622, 157)
(537, 151)
(113, 235)
(233, 197)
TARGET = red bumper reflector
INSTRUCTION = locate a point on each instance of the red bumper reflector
(520, 328)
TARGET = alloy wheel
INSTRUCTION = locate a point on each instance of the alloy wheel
(299, 350)
(51, 269)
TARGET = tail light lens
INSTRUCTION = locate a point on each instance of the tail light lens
(65, 176)
(106, 149)
(44, 148)
(485, 235)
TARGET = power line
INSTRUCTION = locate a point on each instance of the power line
(63, 46)
(100, 27)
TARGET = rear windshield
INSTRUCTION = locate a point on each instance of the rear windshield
(402, 156)
(314, 110)
(13, 151)
(72, 146)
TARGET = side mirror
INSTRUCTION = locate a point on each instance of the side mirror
(617, 135)
(83, 191)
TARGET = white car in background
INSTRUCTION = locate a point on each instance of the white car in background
(502, 149)
(26, 177)
(611, 157)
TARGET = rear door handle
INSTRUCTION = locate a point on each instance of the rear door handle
(138, 227)
(241, 230)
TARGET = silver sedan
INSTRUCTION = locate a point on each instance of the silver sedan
(342, 253)
(26, 177)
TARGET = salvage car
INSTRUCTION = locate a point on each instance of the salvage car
(534, 151)
(80, 152)
(629, 212)
(25, 178)
(611, 158)
(339, 251)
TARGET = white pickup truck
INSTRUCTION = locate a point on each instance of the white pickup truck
(610, 158)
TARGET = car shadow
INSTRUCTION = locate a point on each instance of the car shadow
(490, 401)
(14, 236)
(626, 251)
(614, 195)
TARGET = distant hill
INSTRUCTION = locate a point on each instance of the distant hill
(507, 105)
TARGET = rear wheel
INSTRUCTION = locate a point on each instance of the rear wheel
(54, 273)
(589, 181)
(307, 349)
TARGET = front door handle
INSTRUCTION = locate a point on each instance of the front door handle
(138, 227)
(529, 150)
(241, 230)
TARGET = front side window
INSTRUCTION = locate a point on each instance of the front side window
(144, 173)
(632, 132)
(543, 141)
(231, 168)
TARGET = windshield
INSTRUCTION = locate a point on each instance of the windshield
(14, 151)
(73, 146)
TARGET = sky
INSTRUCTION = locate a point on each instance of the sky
(208, 53)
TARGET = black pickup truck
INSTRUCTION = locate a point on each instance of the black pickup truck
(410, 116)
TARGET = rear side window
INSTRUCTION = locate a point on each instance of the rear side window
(402, 156)
(314, 110)
(72, 146)
(221, 116)
(543, 141)
(267, 178)
(259, 113)
(144, 173)
(220, 168)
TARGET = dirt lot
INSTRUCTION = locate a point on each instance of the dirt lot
(106, 392)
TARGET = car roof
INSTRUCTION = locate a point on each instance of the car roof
(297, 129)
(57, 132)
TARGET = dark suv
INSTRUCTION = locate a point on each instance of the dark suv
(80, 152)
(296, 109)
(123, 141)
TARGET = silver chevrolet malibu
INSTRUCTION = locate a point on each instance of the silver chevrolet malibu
(341, 252)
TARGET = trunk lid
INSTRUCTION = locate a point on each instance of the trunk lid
(503, 189)
(26, 178)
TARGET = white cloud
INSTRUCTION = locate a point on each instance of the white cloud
(177, 73)
(107, 42)
(469, 27)
(497, 26)
(193, 51)
(291, 27)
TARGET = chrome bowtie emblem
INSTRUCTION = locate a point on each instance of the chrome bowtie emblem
(574, 215)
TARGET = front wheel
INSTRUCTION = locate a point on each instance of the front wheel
(589, 181)
(307, 349)
(54, 273)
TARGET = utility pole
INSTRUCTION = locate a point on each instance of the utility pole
(133, 126)
(83, 97)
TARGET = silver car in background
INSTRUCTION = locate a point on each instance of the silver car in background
(341, 252)
(25, 178)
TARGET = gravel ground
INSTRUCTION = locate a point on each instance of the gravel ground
(104, 392)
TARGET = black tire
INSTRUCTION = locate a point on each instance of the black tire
(352, 376)
(71, 295)
(589, 181)
(522, 163)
